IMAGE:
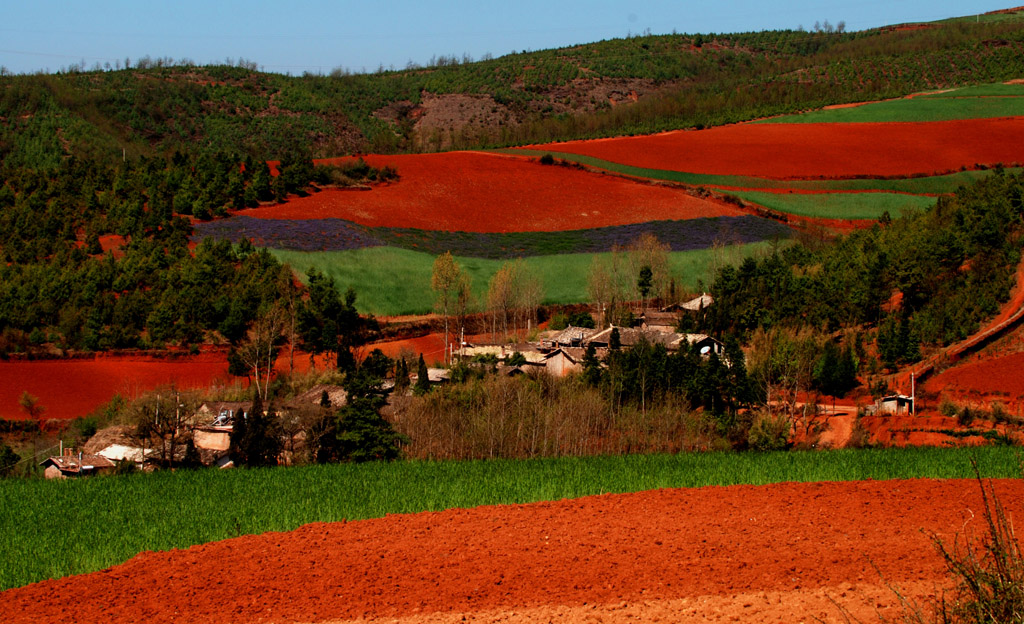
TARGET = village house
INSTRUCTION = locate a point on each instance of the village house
(71, 465)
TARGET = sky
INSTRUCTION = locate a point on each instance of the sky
(319, 36)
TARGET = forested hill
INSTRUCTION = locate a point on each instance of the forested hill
(634, 85)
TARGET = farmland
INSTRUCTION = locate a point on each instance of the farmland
(393, 281)
(873, 150)
(986, 101)
(221, 504)
(478, 192)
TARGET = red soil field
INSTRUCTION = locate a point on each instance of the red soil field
(996, 378)
(72, 388)
(825, 150)
(69, 388)
(774, 553)
(478, 192)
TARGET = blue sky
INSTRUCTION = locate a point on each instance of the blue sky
(318, 35)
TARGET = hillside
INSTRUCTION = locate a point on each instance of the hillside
(632, 85)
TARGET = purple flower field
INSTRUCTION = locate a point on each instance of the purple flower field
(340, 235)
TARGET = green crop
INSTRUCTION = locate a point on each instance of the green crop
(839, 205)
(392, 281)
(50, 529)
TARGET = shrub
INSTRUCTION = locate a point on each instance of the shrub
(769, 432)
(966, 416)
(947, 408)
(990, 579)
(558, 321)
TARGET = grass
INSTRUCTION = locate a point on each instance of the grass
(51, 529)
(839, 205)
(391, 281)
(946, 183)
(969, 103)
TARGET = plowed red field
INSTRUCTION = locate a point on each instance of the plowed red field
(774, 553)
(996, 378)
(476, 192)
(827, 150)
(71, 388)
(74, 387)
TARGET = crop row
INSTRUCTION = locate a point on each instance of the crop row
(104, 521)
(341, 235)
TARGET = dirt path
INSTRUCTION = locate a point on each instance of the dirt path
(756, 554)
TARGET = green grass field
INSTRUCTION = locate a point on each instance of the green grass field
(391, 281)
(99, 522)
(985, 101)
(838, 205)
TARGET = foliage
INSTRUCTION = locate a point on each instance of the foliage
(513, 296)
(422, 378)
(255, 436)
(8, 459)
(153, 290)
(769, 432)
(184, 508)
(951, 266)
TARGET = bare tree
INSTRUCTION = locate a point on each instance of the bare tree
(259, 351)
(445, 281)
(163, 421)
(513, 296)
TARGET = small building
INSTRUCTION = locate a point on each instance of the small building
(563, 361)
(895, 404)
(697, 304)
(659, 321)
(705, 345)
(571, 337)
(222, 413)
(70, 465)
(122, 453)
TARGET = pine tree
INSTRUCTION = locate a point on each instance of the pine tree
(422, 378)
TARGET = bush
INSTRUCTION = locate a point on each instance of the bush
(947, 408)
(558, 321)
(769, 433)
(966, 416)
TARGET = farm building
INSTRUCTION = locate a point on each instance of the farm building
(895, 404)
(659, 321)
(71, 464)
(570, 337)
(697, 304)
(630, 336)
(123, 452)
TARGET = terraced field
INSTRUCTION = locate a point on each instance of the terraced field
(697, 190)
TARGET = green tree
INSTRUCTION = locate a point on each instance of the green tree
(8, 460)
(255, 439)
(422, 378)
(644, 284)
